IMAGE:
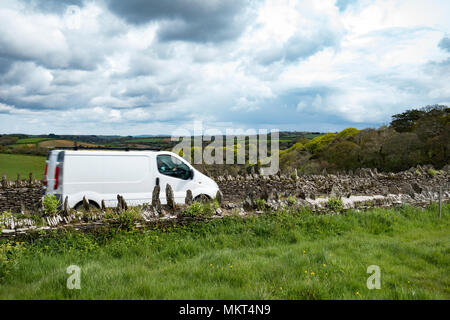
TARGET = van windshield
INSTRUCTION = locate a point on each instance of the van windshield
(171, 166)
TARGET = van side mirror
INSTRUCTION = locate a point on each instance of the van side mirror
(191, 174)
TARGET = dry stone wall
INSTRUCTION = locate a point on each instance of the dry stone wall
(241, 195)
(418, 183)
(20, 195)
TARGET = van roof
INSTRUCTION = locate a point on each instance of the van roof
(112, 152)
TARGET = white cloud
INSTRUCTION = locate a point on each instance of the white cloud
(292, 64)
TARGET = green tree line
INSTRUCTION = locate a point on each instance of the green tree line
(417, 136)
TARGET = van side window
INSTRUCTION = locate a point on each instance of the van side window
(171, 166)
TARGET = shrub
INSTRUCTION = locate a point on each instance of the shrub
(432, 172)
(291, 200)
(335, 204)
(9, 253)
(318, 143)
(198, 209)
(3, 217)
(349, 132)
(260, 204)
(194, 210)
(50, 204)
(297, 146)
(128, 218)
(343, 154)
(208, 208)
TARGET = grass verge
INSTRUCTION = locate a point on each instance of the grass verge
(279, 255)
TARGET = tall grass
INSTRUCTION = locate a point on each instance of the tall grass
(279, 255)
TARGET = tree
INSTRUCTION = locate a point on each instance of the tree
(402, 151)
(7, 140)
(406, 121)
(343, 154)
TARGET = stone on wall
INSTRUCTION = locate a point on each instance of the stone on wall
(189, 198)
(170, 197)
(85, 204)
(156, 203)
(219, 197)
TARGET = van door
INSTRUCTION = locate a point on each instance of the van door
(175, 172)
(50, 166)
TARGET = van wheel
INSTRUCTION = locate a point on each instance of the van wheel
(202, 198)
(92, 205)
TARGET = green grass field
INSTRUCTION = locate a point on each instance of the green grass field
(284, 255)
(31, 140)
(12, 164)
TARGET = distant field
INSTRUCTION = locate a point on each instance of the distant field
(12, 164)
(312, 135)
(32, 140)
(22, 145)
(48, 143)
(286, 140)
(64, 143)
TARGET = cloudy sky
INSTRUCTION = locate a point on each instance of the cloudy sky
(150, 66)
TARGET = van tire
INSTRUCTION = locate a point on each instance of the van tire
(202, 198)
(92, 205)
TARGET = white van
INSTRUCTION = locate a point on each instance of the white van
(102, 175)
